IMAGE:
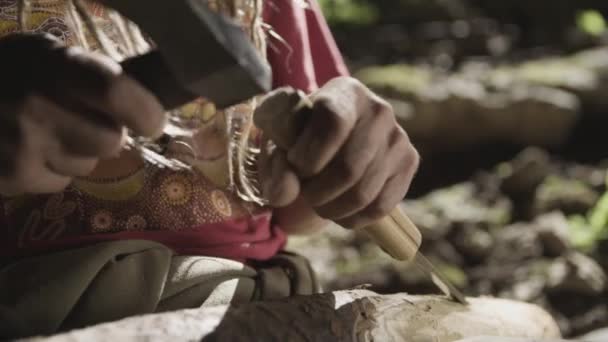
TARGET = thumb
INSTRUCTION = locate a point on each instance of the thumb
(281, 116)
(280, 185)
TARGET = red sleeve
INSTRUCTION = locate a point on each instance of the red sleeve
(306, 55)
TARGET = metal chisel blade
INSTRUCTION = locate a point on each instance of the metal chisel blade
(438, 279)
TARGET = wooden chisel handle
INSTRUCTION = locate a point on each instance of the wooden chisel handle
(396, 235)
(281, 116)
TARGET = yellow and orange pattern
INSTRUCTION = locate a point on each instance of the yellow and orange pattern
(126, 193)
(47, 16)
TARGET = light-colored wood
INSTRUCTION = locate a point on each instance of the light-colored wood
(356, 315)
(404, 222)
(396, 236)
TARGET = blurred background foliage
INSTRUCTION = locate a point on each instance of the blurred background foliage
(447, 30)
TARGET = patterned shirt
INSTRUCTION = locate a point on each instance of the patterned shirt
(193, 212)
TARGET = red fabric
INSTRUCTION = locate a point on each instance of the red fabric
(247, 238)
(306, 59)
(305, 55)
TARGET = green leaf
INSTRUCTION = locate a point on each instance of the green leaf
(591, 22)
(581, 235)
(352, 12)
(598, 216)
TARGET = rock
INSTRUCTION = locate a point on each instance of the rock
(432, 225)
(528, 281)
(592, 71)
(516, 243)
(381, 279)
(437, 109)
(526, 291)
(591, 319)
(460, 204)
(358, 315)
(473, 243)
(600, 335)
(488, 187)
(401, 80)
(553, 233)
(566, 195)
(562, 321)
(492, 278)
(508, 339)
(551, 72)
(576, 273)
(525, 172)
(547, 115)
(595, 177)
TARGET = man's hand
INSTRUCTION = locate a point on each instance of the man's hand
(61, 110)
(351, 161)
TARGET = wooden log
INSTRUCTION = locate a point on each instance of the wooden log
(354, 315)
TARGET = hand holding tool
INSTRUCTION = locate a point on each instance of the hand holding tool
(282, 116)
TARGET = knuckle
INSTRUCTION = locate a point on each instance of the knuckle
(408, 154)
(352, 83)
(410, 158)
(382, 110)
(346, 82)
(361, 196)
(414, 158)
(349, 170)
(399, 138)
(331, 116)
